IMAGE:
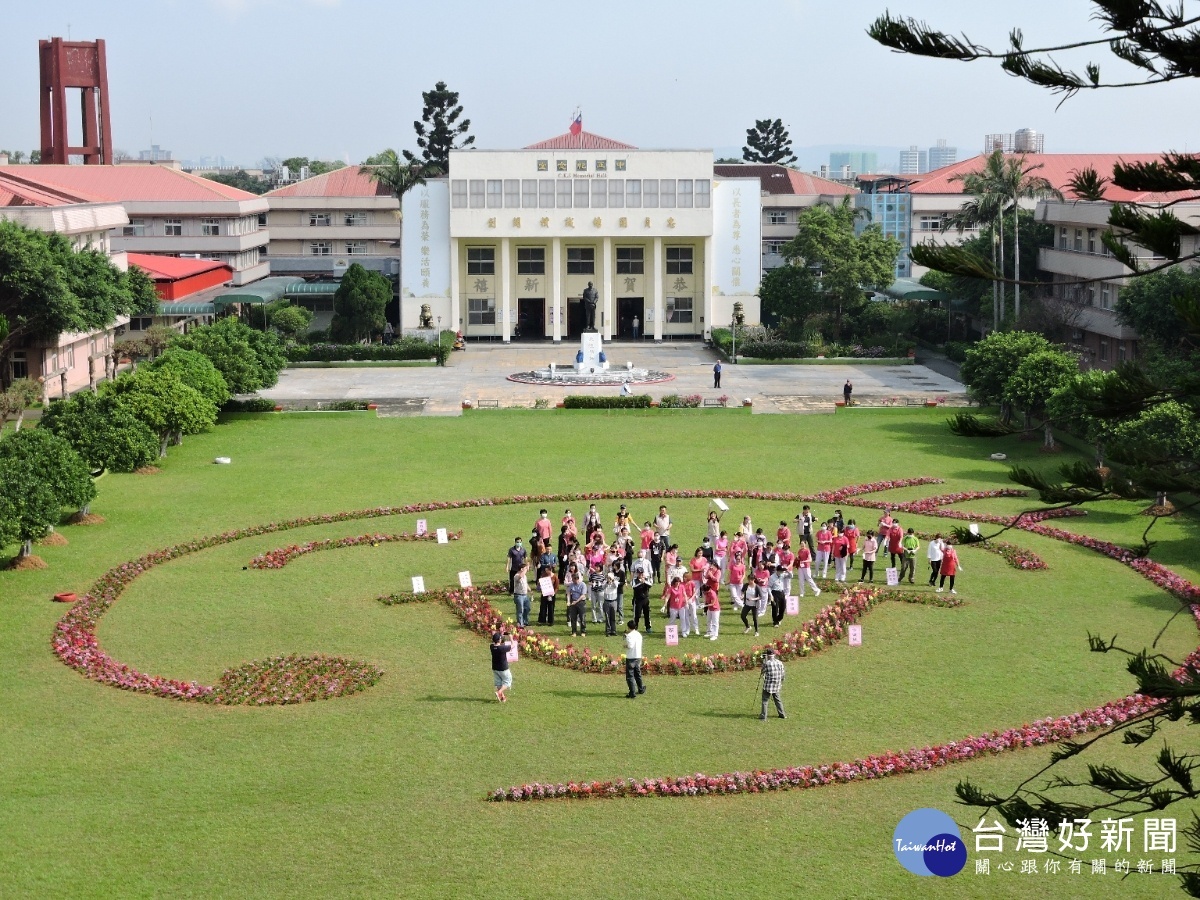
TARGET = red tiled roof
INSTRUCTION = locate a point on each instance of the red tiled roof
(777, 179)
(585, 140)
(1057, 168)
(344, 182)
(90, 184)
(16, 192)
(172, 268)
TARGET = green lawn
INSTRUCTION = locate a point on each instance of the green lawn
(106, 793)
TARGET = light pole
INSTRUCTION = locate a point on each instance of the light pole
(733, 343)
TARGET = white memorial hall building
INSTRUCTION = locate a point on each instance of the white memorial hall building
(505, 245)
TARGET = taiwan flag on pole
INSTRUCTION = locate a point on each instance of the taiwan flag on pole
(577, 123)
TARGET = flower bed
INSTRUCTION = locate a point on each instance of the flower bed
(281, 556)
(293, 679)
(1017, 557)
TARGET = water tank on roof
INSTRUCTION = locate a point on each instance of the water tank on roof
(1025, 140)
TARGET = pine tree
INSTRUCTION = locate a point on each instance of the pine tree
(439, 130)
(768, 142)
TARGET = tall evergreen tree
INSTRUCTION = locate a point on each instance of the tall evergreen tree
(768, 142)
(439, 130)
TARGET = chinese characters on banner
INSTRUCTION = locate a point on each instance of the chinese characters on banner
(671, 634)
(735, 278)
(1052, 851)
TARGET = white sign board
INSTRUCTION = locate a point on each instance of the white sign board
(418, 584)
(425, 250)
(464, 579)
(442, 536)
(737, 236)
(720, 504)
(671, 633)
(855, 632)
(893, 577)
(512, 648)
(422, 528)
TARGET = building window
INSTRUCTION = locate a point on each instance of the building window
(458, 193)
(1079, 239)
(476, 185)
(703, 193)
(1103, 349)
(581, 261)
(1120, 351)
(512, 193)
(174, 227)
(599, 195)
(930, 223)
(140, 323)
(18, 365)
(679, 310)
(633, 193)
(1091, 292)
(262, 220)
(529, 193)
(563, 193)
(650, 193)
(773, 248)
(355, 219)
(546, 193)
(1062, 237)
(320, 248)
(679, 261)
(581, 194)
(356, 248)
(135, 228)
(666, 193)
(320, 220)
(531, 260)
(616, 193)
(481, 311)
(1105, 296)
(685, 193)
(1091, 240)
(481, 261)
(777, 217)
(631, 261)
(495, 193)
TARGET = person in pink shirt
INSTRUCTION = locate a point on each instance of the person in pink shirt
(721, 553)
(671, 557)
(543, 527)
(698, 565)
(885, 522)
(692, 599)
(804, 570)
(674, 602)
(787, 563)
(762, 579)
(840, 548)
(568, 521)
(737, 575)
(824, 547)
(712, 609)
(783, 534)
(647, 536)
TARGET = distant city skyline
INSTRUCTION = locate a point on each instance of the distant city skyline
(342, 79)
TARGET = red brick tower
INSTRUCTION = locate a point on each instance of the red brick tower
(75, 64)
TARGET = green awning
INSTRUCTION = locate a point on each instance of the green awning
(187, 308)
(911, 289)
(308, 288)
(257, 294)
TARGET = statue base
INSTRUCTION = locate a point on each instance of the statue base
(591, 359)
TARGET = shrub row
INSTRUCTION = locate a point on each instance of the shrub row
(675, 401)
(406, 349)
(584, 401)
(253, 405)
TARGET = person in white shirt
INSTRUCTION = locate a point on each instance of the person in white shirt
(633, 660)
(662, 527)
(934, 551)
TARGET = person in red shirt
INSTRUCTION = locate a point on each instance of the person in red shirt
(852, 535)
(804, 570)
(824, 547)
(783, 534)
(950, 567)
(543, 527)
(712, 608)
(737, 575)
(894, 538)
(840, 548)
(674, 601)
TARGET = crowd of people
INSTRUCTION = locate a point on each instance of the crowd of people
(591, 568)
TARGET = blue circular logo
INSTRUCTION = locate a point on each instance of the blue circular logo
(927, 842)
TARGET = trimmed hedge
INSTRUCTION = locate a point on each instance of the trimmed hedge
(253, 405)
(774, 349)
(956, 351)
(675, 401)
(584, 401)
(408, 348)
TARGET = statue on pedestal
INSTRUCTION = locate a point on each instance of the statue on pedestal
(590, 298)
(426, 320)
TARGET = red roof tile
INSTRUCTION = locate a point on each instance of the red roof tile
(1057, 168)
(15, 191)
(777, 179)
(172, 268)
(83, 184)
(585, 140)
(344, 182)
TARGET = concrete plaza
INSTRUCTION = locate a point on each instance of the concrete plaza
(480, 374)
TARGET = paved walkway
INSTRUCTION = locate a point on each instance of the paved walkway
(480, 374)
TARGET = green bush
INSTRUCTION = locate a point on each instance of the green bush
(675, 401)
(347, 405)
(586, 401)
(956, 350)
(404, 349)
(253, 405)
(774, 349)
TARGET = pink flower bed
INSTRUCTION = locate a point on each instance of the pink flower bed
(293, 679)
(1017, 557)
(281, 556)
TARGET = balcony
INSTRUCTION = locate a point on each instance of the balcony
(1078, 264)
(1105, 322)
(202, 244)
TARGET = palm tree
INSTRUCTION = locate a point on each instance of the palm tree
(1016, 183)
(988, 206)
(398, 176)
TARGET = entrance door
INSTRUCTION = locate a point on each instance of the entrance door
(575, 317)
(628, 309)
(531, 318)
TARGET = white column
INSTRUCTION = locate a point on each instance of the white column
(505, 291)
(455, 312)
(656, 288)
(555, 274)
(706, 307)
(606, 288)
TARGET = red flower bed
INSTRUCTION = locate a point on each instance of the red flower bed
(293, 679)
(281, 556)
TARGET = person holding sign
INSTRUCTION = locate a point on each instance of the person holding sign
(950, 567)
(548, 588)
(521, 595)
(674, 601)
(633, 660)
(772, 683)
(501, 673)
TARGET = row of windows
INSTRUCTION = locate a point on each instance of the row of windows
(324, 219)
(558, 193)
(1076, 242)
(482, 310)
(209, 226)
(580, 261)
(352, 248)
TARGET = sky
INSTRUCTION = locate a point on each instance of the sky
(247, 79)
